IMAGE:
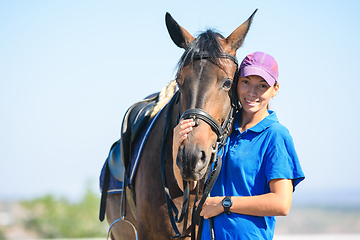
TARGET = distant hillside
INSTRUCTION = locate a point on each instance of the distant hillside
(51, 217)
(333, 197)
(320, 220)
(301, 220)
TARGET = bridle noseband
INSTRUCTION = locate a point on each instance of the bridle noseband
(221, 131)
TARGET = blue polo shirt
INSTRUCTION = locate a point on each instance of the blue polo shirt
(250, 160)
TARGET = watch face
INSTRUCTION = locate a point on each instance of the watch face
(227, 202)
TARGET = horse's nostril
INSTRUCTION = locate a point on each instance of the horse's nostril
(203, 156)
(201, 161)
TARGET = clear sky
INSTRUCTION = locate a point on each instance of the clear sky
(70, 69)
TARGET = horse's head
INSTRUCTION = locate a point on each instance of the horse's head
(206, 83)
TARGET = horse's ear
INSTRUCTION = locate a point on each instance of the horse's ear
(178, 34)
(236, 38)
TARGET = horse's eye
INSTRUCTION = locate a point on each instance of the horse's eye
(227, 84)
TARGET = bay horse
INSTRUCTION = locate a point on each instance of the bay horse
(205, 78)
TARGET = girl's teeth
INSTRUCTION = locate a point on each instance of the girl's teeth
(250, 101)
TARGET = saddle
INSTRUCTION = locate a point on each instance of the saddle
(134, 122)
(117, 162)
(135, 119)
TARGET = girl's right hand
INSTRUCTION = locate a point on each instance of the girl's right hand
(181, 132)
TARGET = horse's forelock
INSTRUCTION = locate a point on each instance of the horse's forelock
(208, 42)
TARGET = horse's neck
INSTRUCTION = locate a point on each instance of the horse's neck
(174, 117)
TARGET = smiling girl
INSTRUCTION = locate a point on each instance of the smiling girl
(260, 166)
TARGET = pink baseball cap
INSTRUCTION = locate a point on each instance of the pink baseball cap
(260, 64)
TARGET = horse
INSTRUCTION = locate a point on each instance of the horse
(206, 92)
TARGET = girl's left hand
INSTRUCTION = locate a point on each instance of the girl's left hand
(212, 207)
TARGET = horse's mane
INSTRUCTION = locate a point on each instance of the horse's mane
(206, 42)
(164, 96)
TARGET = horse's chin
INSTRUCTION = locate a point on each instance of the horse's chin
(193, 175)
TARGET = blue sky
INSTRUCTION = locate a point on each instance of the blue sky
(70, 69)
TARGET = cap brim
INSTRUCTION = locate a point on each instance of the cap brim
(248, 71)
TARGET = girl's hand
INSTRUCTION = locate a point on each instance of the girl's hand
(212, 207)
(180, 133)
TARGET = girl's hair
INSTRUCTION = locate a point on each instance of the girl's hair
(276, 83)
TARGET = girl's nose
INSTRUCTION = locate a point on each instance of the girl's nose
(252, 91)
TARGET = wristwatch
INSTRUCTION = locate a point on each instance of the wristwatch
(227, 203)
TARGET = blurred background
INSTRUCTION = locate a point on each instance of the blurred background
(70, 69)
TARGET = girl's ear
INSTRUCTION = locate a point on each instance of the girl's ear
(276, 89)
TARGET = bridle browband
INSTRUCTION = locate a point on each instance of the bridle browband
(222, 132)
(205, 55)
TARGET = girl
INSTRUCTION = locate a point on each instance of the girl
(260, 165)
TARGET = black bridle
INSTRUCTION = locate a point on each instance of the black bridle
(222, 132)
(198, 113)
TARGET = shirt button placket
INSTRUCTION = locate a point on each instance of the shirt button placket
(237, 140)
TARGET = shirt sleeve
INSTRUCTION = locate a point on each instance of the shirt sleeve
(282, 161)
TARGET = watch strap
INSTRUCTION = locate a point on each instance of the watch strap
(226, 205)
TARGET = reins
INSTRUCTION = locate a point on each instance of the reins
(222, 133)
(171, 207)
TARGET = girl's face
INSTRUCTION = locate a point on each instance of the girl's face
(254, 93)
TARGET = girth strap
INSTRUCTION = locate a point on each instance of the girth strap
(104, 193)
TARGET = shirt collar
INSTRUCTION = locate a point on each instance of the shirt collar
(262, 125)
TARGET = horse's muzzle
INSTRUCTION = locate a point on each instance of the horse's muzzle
(192, 161)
